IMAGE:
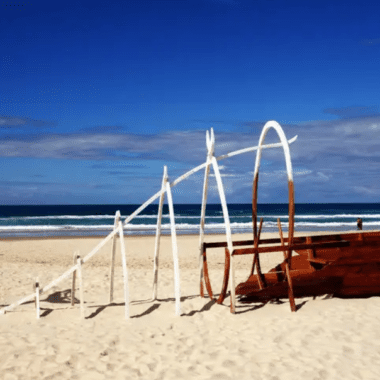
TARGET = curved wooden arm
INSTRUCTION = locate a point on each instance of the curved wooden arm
(223, 293)
(206, 276)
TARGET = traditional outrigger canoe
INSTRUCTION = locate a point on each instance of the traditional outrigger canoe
(346, 265)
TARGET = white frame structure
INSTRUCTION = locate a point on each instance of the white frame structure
(118, 228)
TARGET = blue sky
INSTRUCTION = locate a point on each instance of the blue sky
(96, 97)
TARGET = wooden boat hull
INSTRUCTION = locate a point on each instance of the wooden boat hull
(349, 271)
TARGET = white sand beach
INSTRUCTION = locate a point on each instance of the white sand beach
(327, 338)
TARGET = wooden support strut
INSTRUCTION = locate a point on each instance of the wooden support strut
(310, 252)
(295, 247)
(223, 293)
(287, 270)
(256, 259)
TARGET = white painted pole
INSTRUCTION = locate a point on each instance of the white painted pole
(76, 253)
(37, 298)
(158, 234)
(228, 231)
(202, 224)
(289, 170)
(177, 289)
(80, 280)
(210, 151)
(284, 144)
(125, 270)
(112, 269)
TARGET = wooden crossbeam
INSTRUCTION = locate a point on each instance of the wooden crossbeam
(293, 247)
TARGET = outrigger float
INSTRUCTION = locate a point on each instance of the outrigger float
(345, 265)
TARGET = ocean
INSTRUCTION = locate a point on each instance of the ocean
(97, 220)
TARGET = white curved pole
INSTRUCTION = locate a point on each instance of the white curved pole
(158, 233)
(210, 144)
(113, 251)
(284, 143)
(196, 169)
(228, 230)
(289, 170)
(177, 289)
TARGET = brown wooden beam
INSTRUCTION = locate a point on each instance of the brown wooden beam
(223, 293)
(294, 247)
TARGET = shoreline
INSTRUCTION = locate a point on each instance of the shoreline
(241, 235)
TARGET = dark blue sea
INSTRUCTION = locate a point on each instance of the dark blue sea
(97, 220)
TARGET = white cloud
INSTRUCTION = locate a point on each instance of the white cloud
(366, 190)
(323, 176)
(328, 158)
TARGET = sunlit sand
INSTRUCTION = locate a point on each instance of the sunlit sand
(326, 338)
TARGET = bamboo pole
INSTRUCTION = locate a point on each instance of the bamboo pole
(125, 270)
(113, 251)
(80, 280)
(177, 289)
(210, 151)
(158, 235)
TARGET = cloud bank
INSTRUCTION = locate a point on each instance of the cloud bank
(333, 160)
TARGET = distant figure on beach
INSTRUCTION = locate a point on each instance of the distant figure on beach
(360, 223)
